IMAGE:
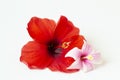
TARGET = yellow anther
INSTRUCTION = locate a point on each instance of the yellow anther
(65, 45)
(90, 57)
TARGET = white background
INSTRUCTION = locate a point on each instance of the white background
(98, 20)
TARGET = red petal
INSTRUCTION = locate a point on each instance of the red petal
(62, 64)
(65, 29)
(41, 29)
(35, 55)
(77, 41)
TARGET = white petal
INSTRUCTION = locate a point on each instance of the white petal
(75, 53)
(75, 65)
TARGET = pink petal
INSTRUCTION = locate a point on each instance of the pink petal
(87, 49)
(75, 53)
(96, 58)
(87, 66)
(75, 65)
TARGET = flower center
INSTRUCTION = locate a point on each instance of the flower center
(52, 48)
(88, 57)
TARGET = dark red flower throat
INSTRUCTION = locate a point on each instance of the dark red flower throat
(52, 47)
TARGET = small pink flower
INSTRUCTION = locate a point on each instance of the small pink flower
(85, 58)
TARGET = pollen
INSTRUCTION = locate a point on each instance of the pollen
(90, 57)
(65, 45)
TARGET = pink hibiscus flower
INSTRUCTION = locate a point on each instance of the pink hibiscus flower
(85, 58)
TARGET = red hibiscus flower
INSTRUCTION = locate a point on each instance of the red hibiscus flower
(50, 44)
